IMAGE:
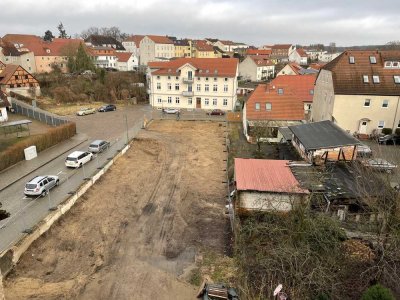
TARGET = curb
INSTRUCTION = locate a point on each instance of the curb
(30, 172)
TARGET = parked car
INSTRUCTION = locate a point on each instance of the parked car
(98, 146)
(108, 107)
(78, 158)
(216, 112)
(86, 111)
(379, 164)
(389, 139)
(170, 110)
(41, 185)
(364, 151)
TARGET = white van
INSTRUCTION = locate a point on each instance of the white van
(77, 159)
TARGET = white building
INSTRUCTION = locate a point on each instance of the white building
(127, 61)
(202, 83)
(132, 44)
(155, 48)
(328, 57)
(229, 46)
(103, 57)
(299, 56)
(256, 68)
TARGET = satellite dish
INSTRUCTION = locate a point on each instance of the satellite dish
(278, 289)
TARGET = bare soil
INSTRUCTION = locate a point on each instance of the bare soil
(137, 232)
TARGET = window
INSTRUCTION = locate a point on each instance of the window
(385, 103)
(365, 78)
(311, 92)
(169, 77)
(372, 59)
(206, 87)
(375, 79)
(206, 102)
(225, 102)
(176, 86)
(388, 64)
(190, 101)
(206, 78)
(215, 102)
(198, 87)
(169, 86)
(367, 103)
(215, 87)
(351, 59)
(225, 87)
(226, 79)
(177, 77)
(159, 100)
(158, 77)
(215, 79)
(257, 106)
(396, 79)
(381, 124)
(177, 100)
(280, 91)
(268, 106)
(169, 99)
(158, 85)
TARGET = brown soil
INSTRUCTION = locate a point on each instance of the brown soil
(134, 234)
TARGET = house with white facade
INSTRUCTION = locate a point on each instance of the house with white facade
(126, 61)
(156, 48)
(132, 44)
(256, 68)
(9, 54)
(229, 46)
(193, 83)
(103, 57)
(96, 40)
(299, 56)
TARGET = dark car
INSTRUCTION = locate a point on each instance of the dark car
(109, 107)
(216, 112)
(389, 139)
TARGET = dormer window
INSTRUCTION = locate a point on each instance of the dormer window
(365, 78)
(372, 59)
(280, 91)
(388, 64)
(396, 79)
(352, 60)
(375, 79)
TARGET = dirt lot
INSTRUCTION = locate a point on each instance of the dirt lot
(136, 233)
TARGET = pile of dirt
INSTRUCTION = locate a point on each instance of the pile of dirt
(140, 227)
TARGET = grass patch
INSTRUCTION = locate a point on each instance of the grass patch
(7, 142)
(195, 277)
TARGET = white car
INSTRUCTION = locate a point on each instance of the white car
(86, 111)
(170, 110)
(40, 185)
(78, 158)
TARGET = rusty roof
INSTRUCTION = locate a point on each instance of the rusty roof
(265, 175)
(160, 39)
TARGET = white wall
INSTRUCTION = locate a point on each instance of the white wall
(3, 114)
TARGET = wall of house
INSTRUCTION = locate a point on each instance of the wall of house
(248, 69)
(324, 97)
(265, 72)
(287, 70)
(147, 50)
(3, 114)
(164, 50)
(267, 201)
(375, 112)
(44, 63)
(27, 61)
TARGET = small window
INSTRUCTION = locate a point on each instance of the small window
(206, 101)
(215, 78)
(225, 87)
(158, 86)
(375, 79)
(372, 59)
(280, 91)
(158, 77)
(177, 77)
(215, 87)
(396, 79)
(206, 88)
(159, 100)
(381, 124)
(177, 100)
(311, 92)
(365, 78)
(367, 103)
(169, 77)
(169, 99)
(176, 86)
(206, 78)
(190, 101)
(352, 60)
(388, 64)
(215, 102)
(169, 86)
(225, 102)
(198, 87)
(257, 106)
(226, 79)
(385, 103)
(268, 106)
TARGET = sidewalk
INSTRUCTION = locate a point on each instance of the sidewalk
(23, 168)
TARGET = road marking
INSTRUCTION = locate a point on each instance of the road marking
(59, 173)
(25, 198)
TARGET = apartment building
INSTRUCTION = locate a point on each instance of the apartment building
(183, 48)
(202, 49)
(193, 83)
(156, 48)
(132, 44)
(256, 68)
(103, 57)
(9, 54)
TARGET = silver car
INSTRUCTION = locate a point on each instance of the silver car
(40, 185)
(98, 146)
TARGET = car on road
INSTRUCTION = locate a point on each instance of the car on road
(108, 107)
(78, 158)
(98, 146)
(86, 111)
(170, 110)
(216, 112)
(389, 139)
(379, 164)
(41, 185)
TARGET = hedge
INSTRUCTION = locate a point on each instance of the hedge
(53, 136)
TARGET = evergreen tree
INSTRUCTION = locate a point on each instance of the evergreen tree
(48, 36)
(81, 61)
(62, 33)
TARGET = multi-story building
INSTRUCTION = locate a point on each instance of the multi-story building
(299, 56)
(202, 49)
(156, 48)
(183, 48)
(193, 83)
(132, 44)
(126, 61)
(229, 46)
(281, 52)
(9, 54)
(103, 57)
(360, 91)
(96, 40)
(256, 68)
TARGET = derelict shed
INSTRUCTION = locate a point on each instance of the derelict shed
(323, 141)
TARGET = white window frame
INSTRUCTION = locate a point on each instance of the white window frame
(198, 87)
(225, 88)
(268, 106)
(169, 100)
(381, 126)
(369, 102)
(257, 106)
(225, 102)
(215, 88)
(159, 100)
(352, 60)
(365, 78)
(206, 102)
(158, 85)
(190, 101)
(207, 88)
(385, 101)
(176, 86)
(376, 79)
(280, 91)
(372, 59)
(215, 102)
(169, 85)
(177, 100)
(396, 79)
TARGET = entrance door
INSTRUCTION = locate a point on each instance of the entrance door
(363, 127)
(198, 102)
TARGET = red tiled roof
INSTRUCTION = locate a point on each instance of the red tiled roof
(258, 52)
(6, 73)
(123, 56)
(316, 66)
(225, 42)
(202, 45)
(3, 99)
(206, 67)
(261, 61)
(159, 39)
(136, 39)
(281, 46)
(295, 67)
(301, 52)
(288, 106)
(101, 51)
(266, 175)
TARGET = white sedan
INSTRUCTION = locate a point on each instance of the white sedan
(170, 110)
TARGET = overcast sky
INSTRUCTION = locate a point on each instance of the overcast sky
(256, 22)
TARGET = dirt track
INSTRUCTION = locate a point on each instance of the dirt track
(136, 232)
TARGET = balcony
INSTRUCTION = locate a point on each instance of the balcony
(188, 80)
(187, 93)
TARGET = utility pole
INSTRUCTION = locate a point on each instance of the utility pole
(127, 131)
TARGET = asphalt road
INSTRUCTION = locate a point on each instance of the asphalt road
(26, 211)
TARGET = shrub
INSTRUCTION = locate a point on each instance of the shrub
(387, 130)
(377, 292)
(15, 153)
(397, 131)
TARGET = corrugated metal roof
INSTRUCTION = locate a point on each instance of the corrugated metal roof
(266, 175)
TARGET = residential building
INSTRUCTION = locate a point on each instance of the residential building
(281, 52)
(132, 44)
(16, 79)
(327, 57)
(315, 54)
(256, 68)
(183, 48)
(266, 185)
(360, 91)
(299, 56)
(96, 40)
(323, 141)
(4, 104)
(9, 54)
(156, 48)
(103, 57)
(229, 46)
(201, 83)
(202, 49)
(286, 100)
(296, 69)
(126, 61)
(258, 52)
